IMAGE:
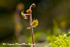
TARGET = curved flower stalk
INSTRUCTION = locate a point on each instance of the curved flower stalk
(32, 24)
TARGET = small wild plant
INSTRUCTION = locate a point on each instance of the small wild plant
(33, 23)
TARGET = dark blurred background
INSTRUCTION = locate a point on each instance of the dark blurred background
(50, 13)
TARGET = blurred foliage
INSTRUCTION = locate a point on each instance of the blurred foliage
(36, 36)
(61, 41)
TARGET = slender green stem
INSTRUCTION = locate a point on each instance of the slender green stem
(31, 29)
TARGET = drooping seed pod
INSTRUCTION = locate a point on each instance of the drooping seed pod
(33, 5)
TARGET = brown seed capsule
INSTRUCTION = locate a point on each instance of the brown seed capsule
(33, 5)
(29, 11)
